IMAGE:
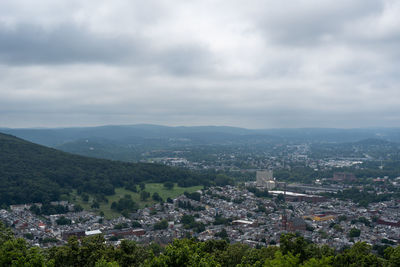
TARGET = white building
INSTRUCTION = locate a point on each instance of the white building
(265, 179)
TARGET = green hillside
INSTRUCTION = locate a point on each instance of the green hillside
(35, 173)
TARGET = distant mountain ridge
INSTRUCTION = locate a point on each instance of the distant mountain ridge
(200, 134)
(58, 136)
(134, 143)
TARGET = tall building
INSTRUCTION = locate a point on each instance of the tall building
(265, 179)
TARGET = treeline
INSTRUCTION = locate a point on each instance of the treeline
(362, 197)
(34, 173)
(93, 251)
(300, 174)
(368, 169)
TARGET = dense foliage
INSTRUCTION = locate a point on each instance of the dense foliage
(362, 197)
(125, 203)
(34, 173)
(93, 251)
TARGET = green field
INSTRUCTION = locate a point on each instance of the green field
(120, 192)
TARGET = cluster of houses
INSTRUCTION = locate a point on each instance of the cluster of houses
(233, 213)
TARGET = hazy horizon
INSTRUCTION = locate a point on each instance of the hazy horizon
(256, 65)
(188, 126)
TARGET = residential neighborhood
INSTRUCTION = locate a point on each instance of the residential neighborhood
(240, 214)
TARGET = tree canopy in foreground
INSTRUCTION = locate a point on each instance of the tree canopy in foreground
(93, 251)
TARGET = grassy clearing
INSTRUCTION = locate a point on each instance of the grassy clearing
(120, 192)
(165, 193)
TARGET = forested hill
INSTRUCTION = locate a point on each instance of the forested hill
(35, 173)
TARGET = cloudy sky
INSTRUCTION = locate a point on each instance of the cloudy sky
(255, 64)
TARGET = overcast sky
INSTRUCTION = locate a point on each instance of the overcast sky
(254, 64)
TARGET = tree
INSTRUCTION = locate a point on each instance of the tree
(296, 245)
(261, 208)
(393, 254)
(316, 262)
(35, 209)
(144, 195)
(136, 224)
(223, 234)
(364, 221)
(124, 204)
(142, 186)
(84, 253)
(125, 213)
(95, 205)
(232, 255)
(120, 226)
(222, 180)
(338, 228)
(169, 185)
(5, 233)
(133, 188)
(85, 197)
(16, 252)
(78, 208)
(194, 196)
(63, 221)
(130, 254)
(29, 236)
(104, 263)
(280, 198)
(358, 255)
(156, 197)
(354, 232)
(187, 219)
(185, 252)
(161, 225)
(218, 220)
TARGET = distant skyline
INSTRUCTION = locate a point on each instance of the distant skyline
(258, 64)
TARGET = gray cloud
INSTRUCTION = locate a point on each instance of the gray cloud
(31, 44)
(27, 44)
(260, 64)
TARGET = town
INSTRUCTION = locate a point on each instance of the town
(253, 213)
